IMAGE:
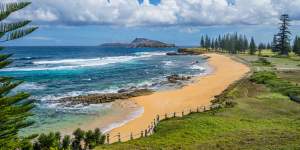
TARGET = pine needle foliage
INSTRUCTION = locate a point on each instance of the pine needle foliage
(14, 109)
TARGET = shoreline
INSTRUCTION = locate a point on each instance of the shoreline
(205, 88)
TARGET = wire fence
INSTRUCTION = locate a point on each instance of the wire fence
(118, 137)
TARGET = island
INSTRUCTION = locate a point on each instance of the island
(140, 43)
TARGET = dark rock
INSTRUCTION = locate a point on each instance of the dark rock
(188, 51)
(103, 98)
(176, 78)
(175, 54)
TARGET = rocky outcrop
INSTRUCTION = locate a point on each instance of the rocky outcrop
(176, 78)
(189, 51)
(140, 43)
(103, 98)
(176, 53)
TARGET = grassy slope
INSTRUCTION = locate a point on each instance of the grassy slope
(260, 120)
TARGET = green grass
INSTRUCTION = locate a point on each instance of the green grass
(261, 120)
(285, 63)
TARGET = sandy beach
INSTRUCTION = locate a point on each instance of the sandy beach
(199, 93)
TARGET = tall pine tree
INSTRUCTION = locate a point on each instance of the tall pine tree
(275, 44)
(202, 43)
(283, 42)
(14, 109)
(252, 47)
(296, 47)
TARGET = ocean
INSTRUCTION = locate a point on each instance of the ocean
(51, 73)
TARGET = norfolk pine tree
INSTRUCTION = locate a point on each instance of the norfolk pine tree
(14, 109)
(252, 47)
(283, 43)
(296, 47)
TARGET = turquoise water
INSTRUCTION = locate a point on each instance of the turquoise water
(52, 73)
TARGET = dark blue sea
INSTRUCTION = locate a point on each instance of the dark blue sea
(51, 73)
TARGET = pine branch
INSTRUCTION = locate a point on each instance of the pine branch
(4, 64)
(16, 34)
(7, 87)
(5, 79)
(8, 27)
(9, 8)
(6, 101)
(4, 57)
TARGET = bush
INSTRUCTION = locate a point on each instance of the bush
(230, 104)
(262, 62)
(53, 141)
(276, 84)
(263, 76)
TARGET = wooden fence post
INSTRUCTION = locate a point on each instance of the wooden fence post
(166, 116)
(131, 136)
(149, 129)
(174, 114)
(157, 117)
(142, 134)
(107, 138)
(146, 133)
(182, 113)
(197, 109)
(119, 137)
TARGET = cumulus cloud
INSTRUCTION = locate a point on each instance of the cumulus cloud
(166, 13)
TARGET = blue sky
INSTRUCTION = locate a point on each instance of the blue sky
(92, 22)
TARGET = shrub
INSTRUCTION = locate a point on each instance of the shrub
(262, 62)
(230, 104)
(66, 142)
(276, 84)
(262, 77)
(78, 137)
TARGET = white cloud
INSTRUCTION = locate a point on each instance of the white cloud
(168, 12)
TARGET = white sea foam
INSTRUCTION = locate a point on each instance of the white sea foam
(67, 64)
(198, 67)
(30, 86)
(84, 109)
(168, 63)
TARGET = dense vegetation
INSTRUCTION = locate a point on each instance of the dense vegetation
(14, 109)
(53, 140)
(235, 43)
(271, 80)
(232, 43)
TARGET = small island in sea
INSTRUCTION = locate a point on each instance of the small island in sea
(140, 43)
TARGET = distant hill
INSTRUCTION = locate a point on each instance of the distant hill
(140, 43)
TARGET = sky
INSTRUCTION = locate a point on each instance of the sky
(182, 22)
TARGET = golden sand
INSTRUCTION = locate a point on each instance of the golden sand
(199, 93)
